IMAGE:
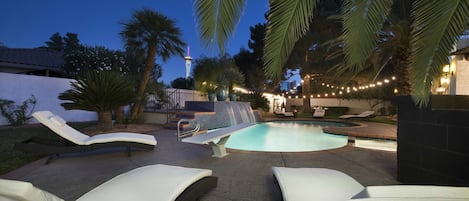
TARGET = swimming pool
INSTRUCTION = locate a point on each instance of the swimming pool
(287, 136)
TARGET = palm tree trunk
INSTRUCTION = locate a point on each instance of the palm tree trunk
(105, 121)
(401, 70)
(307, 94)
(149, 66)
(120, 114)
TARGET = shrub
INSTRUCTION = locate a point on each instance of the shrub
(17, 115)
(100, 92)
(257, 101)
(336, 111)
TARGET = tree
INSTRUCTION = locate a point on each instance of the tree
(435, 27)
(206, 72)
(81, 59)
(99, 91)
(253, 73)
(155, 34)
(232, 75)
(71, 41)
(250, 62)
(183, 83)
(67, 43)
(392, 53)
(55, 42)
(216, 73)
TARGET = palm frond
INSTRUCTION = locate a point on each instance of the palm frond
(436, 28)
(363, 19)
(288, 21)
(217, 20)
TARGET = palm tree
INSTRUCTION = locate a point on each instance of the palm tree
(435, 27)
(156, 35)
(101, 92)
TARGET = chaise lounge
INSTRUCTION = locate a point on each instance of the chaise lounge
(74, 141)
(365, 114)
(153, 182)
(309, 184)
(283, 114)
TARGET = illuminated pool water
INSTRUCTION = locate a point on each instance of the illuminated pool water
(287, 136)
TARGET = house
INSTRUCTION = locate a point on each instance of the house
(31, 61)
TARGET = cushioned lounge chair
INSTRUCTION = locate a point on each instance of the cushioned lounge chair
(75, 141)
(310, 184)
(365, 114)
(319, 113)
(283, 114)
(154, 182)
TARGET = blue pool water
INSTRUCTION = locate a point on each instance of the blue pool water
(287, 136)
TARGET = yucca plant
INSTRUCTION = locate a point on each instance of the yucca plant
(99, 91)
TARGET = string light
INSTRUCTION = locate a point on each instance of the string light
(349, 89)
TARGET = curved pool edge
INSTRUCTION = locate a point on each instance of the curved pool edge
(332, 141)
(359, 132)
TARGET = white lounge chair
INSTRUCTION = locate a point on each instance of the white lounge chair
(310, 184)
(365, 114)
(284, 114)
(75, 141)
(318, 113)
(148, 183)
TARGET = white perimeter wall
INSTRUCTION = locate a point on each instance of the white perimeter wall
(461, 77)
(355, 105)
(18, 88)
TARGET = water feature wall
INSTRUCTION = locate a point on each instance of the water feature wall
(225, 113)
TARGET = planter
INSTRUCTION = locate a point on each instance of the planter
(211, 96)
(221, 94)
(232, 97)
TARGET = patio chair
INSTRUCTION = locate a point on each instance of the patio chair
(74, 141)
(283, 114)
(153, 182)
(309, 184)
(365, 114)
(319, 113)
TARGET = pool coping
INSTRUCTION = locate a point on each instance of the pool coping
(361, 129)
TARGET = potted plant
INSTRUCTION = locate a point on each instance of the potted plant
(210, 89)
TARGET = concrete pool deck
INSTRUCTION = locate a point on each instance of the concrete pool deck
(243, 176)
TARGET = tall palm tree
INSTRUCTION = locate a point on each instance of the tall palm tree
(156, 35)
(435, 27)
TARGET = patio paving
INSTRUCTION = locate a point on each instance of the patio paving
(242, 176)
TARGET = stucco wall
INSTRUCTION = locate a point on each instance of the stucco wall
(355, 105)
(462, 72)
(46, 90)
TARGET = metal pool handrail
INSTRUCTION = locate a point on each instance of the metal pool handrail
(181, 133)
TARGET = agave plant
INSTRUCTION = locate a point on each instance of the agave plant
(435, 27)
(99, 91)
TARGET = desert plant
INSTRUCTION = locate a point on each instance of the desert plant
(100, 92)
(17, 115)
(257, 101)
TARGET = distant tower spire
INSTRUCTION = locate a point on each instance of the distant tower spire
(188, 60)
